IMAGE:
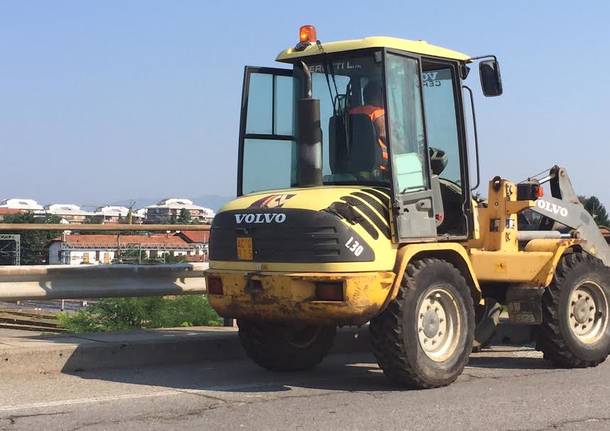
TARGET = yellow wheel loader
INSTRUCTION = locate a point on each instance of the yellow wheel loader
(355, 204)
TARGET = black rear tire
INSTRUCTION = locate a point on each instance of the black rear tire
(575, 332)
(399, 333)
(283, 347)
(487, 323)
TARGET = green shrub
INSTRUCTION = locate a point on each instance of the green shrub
(118, 314)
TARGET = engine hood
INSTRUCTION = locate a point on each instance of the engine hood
(309, 225)
(312, 198)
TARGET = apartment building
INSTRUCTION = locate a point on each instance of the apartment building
(68, 213)
(115, 214)
(23, 205)
(168, 211)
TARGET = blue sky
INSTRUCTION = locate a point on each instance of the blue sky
(112, 100)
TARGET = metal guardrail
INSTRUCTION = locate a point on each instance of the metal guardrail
(100, 281)
(101, 227)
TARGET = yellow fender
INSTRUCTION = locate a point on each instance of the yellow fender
(452, 252)
(558, 248)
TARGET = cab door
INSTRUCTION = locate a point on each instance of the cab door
(445, 135)
(267, 149)
(413, 200)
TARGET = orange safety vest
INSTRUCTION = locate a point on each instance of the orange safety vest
(373, 112)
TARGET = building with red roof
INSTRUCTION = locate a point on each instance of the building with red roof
(8, 211)
(195, 236)
(76, 249)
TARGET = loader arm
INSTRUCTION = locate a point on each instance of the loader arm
(564, 207)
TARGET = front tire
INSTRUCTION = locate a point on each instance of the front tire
(425, 336)
(283, 347)
(575, 332)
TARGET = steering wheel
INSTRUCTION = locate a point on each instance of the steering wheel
(438, 160)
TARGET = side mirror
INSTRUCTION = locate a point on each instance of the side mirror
(491, 81)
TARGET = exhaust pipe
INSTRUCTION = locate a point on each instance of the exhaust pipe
(309, 137)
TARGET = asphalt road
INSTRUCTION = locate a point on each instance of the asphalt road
(504, 389)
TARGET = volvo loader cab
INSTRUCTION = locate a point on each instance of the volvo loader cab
(355, 205)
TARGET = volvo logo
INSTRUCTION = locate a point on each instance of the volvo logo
(260, 218)
(553, 208)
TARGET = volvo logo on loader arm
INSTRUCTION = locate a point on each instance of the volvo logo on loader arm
(260, 218)
(552, 208)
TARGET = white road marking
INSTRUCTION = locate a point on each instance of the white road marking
(62, 403)
(212, 392)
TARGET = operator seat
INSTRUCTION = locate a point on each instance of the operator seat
(357, 152)
(365, 151)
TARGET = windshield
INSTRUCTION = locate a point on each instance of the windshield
(352, 117)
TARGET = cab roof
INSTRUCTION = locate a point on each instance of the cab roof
(415, 46)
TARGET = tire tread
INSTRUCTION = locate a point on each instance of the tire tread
(550, 340)
(263, 343)
(387, 332)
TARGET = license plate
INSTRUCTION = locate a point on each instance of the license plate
(244, 248)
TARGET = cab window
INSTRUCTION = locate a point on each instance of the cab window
(439, 93)
(441, 120)
(268, 149)
(406, 124)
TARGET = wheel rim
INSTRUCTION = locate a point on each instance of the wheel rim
(588, 311)
(438, 324)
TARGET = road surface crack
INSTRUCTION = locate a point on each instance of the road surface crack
(561, 424)
(199, 394)
(12, 419)
(539, 373)
(143, 418)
